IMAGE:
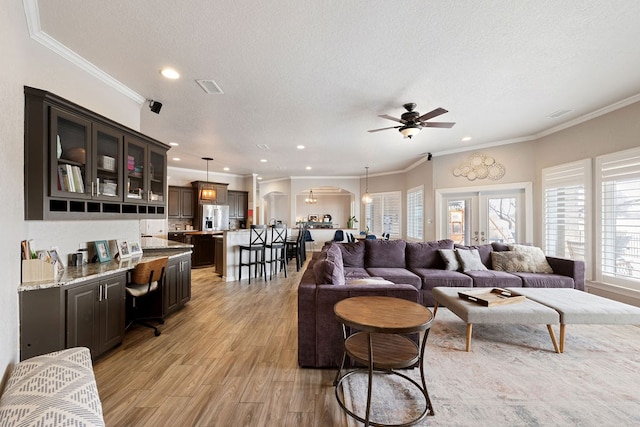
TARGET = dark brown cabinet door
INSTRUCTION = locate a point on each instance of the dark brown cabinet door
(187, 203)
(112, 313)
(174, 202)
(83, 317)
(203, 250)
(170, 297)
(185, 280)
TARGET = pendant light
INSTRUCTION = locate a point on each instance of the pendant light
(207, 192)
(311, 200)
(366, 197)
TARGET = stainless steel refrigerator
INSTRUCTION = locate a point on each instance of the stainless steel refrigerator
(215, 217)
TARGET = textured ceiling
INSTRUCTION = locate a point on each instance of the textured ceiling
(319, 73)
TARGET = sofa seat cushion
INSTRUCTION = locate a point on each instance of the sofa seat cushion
(538, 280)
(492, 278)
(355, 273)
(57, 388)
(432, 277)
(384, 253)
(397, 275)
(425, 254)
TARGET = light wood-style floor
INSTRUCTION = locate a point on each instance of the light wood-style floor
(229, 358)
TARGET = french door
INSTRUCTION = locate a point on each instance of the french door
(491, 214)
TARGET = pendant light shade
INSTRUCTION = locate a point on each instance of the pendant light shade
(311, 200)
(208, 192)
(366, 197)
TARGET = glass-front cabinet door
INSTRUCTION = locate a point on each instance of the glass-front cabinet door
(136, 159)
(107, 179)
(70, 140)
(157, 176)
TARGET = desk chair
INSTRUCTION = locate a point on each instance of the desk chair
(257, 251)
(145, 283)
(277, 249)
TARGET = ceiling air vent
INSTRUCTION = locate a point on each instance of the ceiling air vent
(210, 87)
(558, 113)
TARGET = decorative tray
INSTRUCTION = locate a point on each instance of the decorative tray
(491, 297)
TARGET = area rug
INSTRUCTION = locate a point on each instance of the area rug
(512, 377)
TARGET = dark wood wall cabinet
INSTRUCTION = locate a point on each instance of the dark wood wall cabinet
(238, 204)
(81, 165)
(181, 202)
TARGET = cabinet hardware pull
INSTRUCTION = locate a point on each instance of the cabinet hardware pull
(106, 291)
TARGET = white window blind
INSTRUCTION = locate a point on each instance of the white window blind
(415, 213)
(383, 214)
(565, 190)
(619, 218)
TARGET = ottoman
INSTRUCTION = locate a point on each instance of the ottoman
(524, 312)
(579, 307)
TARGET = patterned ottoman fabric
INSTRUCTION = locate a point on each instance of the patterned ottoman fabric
(55, 389)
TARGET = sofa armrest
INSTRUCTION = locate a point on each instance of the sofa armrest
(569, 267)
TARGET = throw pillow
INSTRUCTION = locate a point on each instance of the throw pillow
(512, 261)
(538, 259)
(352, 254)
(470, 260)
(450, 259)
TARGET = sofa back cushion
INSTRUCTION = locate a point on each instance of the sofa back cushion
(352, 254)
(384, 253)
(426, 255)
(329, 269)
(483, 250)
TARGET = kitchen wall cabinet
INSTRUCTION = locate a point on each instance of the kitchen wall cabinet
(238, 204)
(77, 165)
(220, 188)
(95, 315)
(181, 202)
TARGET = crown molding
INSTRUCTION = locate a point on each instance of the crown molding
(35, 31)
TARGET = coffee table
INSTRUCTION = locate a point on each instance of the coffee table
(381, 343)
(524, 312)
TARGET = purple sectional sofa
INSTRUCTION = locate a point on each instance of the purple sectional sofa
(411, 270)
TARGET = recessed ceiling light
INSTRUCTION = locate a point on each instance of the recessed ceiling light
(225, 168)
(300, 147)
(466, 138)
(175, 144)
(263, 160)
(177, 159)
(259, 178)
(170, 73)
(308, 168)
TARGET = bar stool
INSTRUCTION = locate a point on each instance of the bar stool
(257, 251)
(277, 249)
(295, 248)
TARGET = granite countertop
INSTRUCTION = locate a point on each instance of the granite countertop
(204, 233)
(72, 274)
(157, 243)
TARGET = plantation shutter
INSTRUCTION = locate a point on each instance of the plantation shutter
(383, 214)
(415, 213)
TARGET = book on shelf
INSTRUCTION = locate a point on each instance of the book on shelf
(63, 176)
(78, 182)
(72, 187)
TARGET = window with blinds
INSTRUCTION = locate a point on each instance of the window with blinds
(415, 213)
(618, 224)
(565, 190)
(383, 214)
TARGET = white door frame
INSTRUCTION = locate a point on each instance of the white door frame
(527, 187)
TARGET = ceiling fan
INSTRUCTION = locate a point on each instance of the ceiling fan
(413, 122)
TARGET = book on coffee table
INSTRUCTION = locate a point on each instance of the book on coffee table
(491, 297)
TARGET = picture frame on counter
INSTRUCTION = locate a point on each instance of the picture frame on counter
(123, 249)
(135, 250)
(55, 259)
(102, 250)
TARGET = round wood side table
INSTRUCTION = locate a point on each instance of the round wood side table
(381, 344)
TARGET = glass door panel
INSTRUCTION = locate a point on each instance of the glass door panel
(136, 160)
(71, 141)
(157, 178)
(107, 181)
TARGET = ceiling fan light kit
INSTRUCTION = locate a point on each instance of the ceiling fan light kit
(413, 122)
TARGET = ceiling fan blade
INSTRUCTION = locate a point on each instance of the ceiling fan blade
(438, 124)
(432, 114)
(378, 130)
(386, 116)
